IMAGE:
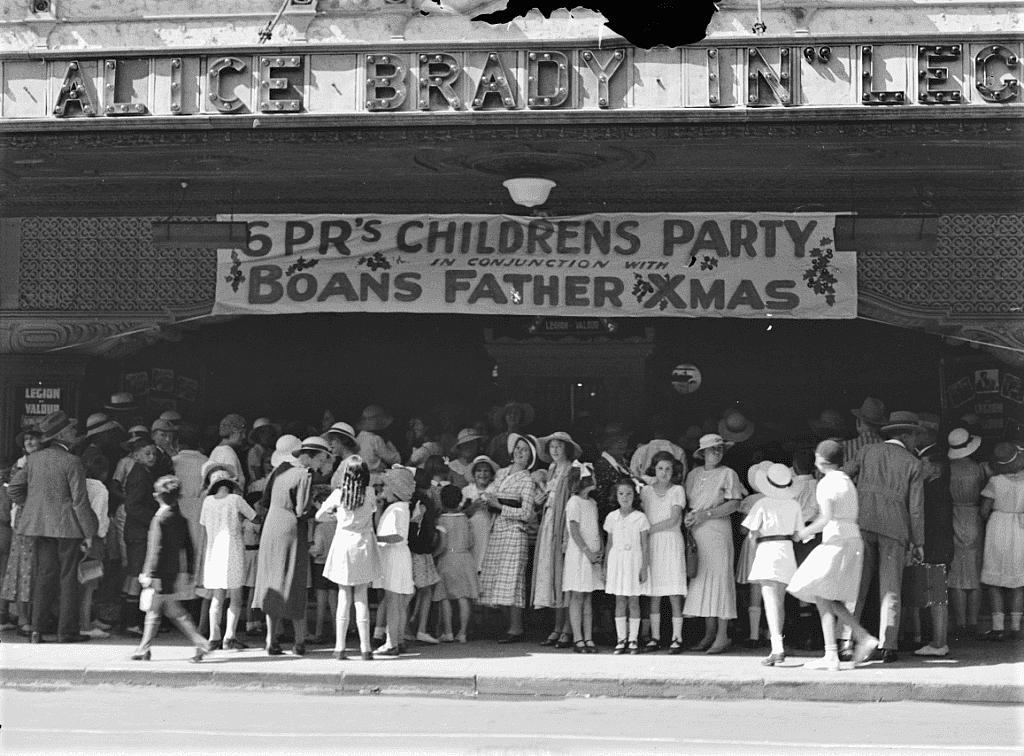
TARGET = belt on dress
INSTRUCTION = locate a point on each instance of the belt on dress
(252, 548)
(762, 539)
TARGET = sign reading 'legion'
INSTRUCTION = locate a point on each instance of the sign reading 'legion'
(921, 74)
(616, 264)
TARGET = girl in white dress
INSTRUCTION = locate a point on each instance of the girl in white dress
(775, 518)
(746, 595)
(480, 516)
(663, 503)
(396, 559)
(224, 558)
(581, 572)
(713, 493)
(1002, 504)
(627, 564)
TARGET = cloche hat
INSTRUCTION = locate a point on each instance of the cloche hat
(1007, 458)
(314, 445)
(31, 430)
(344, 430)
(962, 443)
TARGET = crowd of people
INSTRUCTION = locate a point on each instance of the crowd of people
(131, 525)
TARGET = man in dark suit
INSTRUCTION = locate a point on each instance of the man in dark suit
(51, 488)
(890, 492)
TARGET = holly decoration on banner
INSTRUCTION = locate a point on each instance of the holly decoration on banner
(819, 277)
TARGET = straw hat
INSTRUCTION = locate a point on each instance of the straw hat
(401, 482)
(135, 443)
(54, 424)
(32, 430)
(263, 422)
(344, 430)
(221, 476)
(172, 417)
(828, 425)
(285, 449)
(901, 422)
(710, 441)
(99, 422)
(483, 459)
(163, 425)
(752, 474)
(735, 427)
(466, 436)
(314, 445)
(514, 438)
(374, 419)
(1007, 458)
(123, 402)
(137, 430)
(542, 448)
(776, 482)
(962, 443)
(871, 411)
(497, 414)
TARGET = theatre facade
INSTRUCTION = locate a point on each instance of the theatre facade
(787, 216)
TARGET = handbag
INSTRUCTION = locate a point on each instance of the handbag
(692, 557)
(89, 569)
(924, 585)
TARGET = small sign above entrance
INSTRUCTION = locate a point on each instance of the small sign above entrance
(686, 378)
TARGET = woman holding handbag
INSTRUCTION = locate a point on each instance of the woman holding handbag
(169, 566)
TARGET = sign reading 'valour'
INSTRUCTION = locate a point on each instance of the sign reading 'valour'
(601, 265)
(556, 78)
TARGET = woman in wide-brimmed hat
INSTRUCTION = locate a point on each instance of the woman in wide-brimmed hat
(262, 437)
(549, 554)
(466, 448)
(1002, 504)
(16, 586)
(966, 479)
(378, 453)
(514, 500)
(513, 417)
(713, 493)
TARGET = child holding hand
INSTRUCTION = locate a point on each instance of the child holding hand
(584, 557)
(627, 560)
(456, 565)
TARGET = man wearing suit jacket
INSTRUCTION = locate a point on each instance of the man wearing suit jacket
(890, 493)
(51, 488)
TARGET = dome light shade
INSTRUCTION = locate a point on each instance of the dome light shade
(529, 192)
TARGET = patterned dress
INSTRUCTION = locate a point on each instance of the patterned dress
(503, 574)
(17, 581)
(456, 563)
(712, 592)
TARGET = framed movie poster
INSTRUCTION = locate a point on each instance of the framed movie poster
(984, 395)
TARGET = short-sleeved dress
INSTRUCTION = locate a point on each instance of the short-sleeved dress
(626, 557)
(745, 560)
(456, 564)
(668, 555)
(774, 560)
(395, 558)
(224, 558)
(282, 570)
(354, 557)
(832, 570)
(712, 591)
(579, 574)
(966, 479)
(503, 572)
(1003, 564)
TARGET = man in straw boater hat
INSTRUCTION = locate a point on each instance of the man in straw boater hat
(51, 488)
(870, 417)
(890, 490)
(102, 439)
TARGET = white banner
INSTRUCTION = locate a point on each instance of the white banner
(601, 265)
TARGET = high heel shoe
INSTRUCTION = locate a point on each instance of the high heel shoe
(579, 647)
(144, 656)
(773, 659)
(550, 640)
(564, 641)
(274, 649)
(591, 646)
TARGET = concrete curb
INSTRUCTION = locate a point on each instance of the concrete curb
(526, 686)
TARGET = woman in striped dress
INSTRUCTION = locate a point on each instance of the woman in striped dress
(503, 574)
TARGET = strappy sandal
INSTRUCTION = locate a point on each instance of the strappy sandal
(579, 647)
(591, 646)
(633, 647)
(620, 647)
(564, 641)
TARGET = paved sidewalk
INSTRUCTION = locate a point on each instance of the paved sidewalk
(975, 673)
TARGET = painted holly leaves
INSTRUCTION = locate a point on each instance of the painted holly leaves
(819, 277)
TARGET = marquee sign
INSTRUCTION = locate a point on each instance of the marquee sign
(500, 80)
(601, 265)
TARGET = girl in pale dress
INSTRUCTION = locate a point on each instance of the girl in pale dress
(663, 502)
(224, 554)
(966, 479)
(746, 594)
(480, 515)
(713, 493)
(455, 564)
(353, 561)
(514, 501)
(396, 559)
(830, 576)
(582, 573)
(549, 554)
(775, 518)
(1002, 505)
(627, 564)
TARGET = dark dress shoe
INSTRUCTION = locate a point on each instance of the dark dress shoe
(889, 656)
(366, 655)
(216, 645)
(338, 655)
(551, 640)
(564, 642)
(144, 656)
(235, 645)
(846, 651)
(76, 638)
(35, 638)
(274, 649)
(299, 649)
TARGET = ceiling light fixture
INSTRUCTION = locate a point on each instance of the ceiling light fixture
(528, 191)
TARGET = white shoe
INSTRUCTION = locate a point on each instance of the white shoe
(932, 651)
(427, 638)
(95, 632)
(100, 625)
